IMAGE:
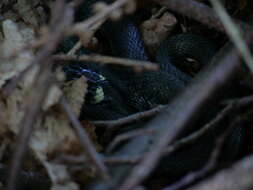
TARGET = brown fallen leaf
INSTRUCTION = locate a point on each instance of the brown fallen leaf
(155, 30)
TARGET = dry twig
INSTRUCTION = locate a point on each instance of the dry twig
(26, 125)
(85, 141)
(112, 124)
(136, 64)
(239, 175)
(41, 85)
(194, 176)
(234, 33)
(126, 136)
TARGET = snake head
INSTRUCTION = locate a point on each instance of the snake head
(96, 83)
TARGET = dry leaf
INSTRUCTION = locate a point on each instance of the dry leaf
(53, 97)
(31, 12)
(75, 92)
(155, 30)
(14, 40)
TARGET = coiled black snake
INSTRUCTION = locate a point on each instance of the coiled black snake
(126, 92)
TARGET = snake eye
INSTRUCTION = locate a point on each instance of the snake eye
(193, 67)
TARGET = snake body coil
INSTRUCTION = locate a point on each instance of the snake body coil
(128, 92)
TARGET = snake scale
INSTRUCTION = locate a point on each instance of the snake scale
(126, 92)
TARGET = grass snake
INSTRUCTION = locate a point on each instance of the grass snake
(126, 92)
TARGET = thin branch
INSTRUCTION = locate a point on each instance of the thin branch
(196, 135)
(126, 136)
(85, 141)
(244, 101)
(194, 176)
(32, 112)
(231, 107)
(79, 160)
(239, 175)
(56, 33)
(234, 33)
(112, 124)
(122, 160)
(136, 64)
(41, 86)
(233, 183)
